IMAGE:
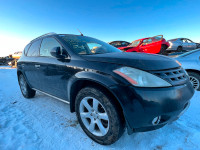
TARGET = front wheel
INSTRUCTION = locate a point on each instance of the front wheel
(98, 116)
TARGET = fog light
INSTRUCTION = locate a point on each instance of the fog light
(156, 120)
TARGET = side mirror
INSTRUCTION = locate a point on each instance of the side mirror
(56, 52)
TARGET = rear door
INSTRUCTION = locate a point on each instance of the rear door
(31, 70)
(185, 44)
(152, 45)
(52, 71)
(191, 45)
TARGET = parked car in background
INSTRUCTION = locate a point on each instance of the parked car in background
(119, 43)
(14, 57)
(153, 45)
(181, 44)
(198, 45)
(2, 61)
(107, 88)
(191, 63)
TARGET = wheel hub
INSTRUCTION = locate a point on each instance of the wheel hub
(94, 116)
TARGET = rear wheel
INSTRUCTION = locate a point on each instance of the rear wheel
(25, 88)
(179, 49)
(98, 116)
(195, 80)
(163, 50)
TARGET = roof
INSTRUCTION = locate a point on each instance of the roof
(47, 34)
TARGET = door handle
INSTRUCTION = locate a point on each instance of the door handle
(23, 65)
(37, 66)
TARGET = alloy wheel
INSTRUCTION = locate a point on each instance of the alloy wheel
(94, 116)
(22, 83)
(195, 82)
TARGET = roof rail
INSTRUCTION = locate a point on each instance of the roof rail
(50, 33)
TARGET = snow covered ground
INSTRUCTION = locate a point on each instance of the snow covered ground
(45, 123)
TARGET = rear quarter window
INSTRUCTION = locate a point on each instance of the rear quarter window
(26, 49)
(34, 48)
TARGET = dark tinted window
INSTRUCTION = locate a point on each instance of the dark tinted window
(47, 45)
(34, 49)
(83, 45)
(26, 49)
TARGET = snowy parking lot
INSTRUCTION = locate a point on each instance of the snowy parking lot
(45, 123)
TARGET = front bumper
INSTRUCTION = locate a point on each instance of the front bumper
(142, 105)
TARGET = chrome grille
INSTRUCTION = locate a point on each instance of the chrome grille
(174, 76)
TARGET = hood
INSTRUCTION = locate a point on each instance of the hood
(136, 60)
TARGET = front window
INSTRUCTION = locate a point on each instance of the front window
(83, 45)
(47, 45)
(135, 43)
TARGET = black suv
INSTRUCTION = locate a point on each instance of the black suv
(107, 88)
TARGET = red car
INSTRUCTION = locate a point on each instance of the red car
(153, 45)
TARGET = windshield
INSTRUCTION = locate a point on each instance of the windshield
(83, 45)
(135, 43)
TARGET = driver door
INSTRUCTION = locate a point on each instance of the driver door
(152, 45)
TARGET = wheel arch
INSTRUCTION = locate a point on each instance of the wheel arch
(82, 83)
(193, 70)
(166, 46)
(179, 46)
(19, 72)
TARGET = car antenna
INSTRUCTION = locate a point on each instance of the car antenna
(80, 32)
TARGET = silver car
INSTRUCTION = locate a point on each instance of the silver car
(181, 44)
(191, 63)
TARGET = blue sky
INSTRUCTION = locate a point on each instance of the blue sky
(107, 20)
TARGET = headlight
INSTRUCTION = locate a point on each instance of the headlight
(141, 78)
(178, 62)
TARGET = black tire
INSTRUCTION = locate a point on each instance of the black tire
(116, 122)
(28, 93)
(179, 49)
(196, 76)
(163, 50)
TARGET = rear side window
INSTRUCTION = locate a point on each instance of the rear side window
(26, 49)
(47, 45)
(34, 49)
(157, 38)
(147, 41)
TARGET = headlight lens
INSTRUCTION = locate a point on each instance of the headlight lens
(178, 62)
(141, 78)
